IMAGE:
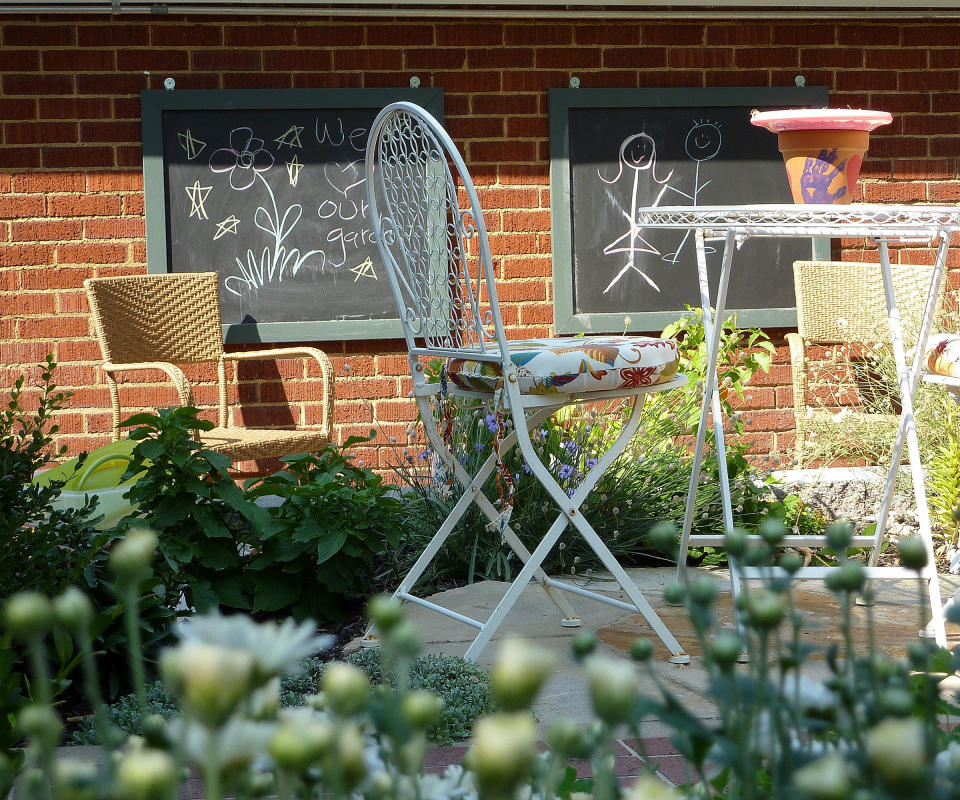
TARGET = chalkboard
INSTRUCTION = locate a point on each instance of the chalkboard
(267, 189)
(613, 151)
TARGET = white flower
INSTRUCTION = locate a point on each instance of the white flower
(275, 648)
(239, 741)
(811, 695)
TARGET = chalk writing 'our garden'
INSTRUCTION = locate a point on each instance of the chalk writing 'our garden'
(295, 181)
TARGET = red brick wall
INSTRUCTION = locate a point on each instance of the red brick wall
(71, 188)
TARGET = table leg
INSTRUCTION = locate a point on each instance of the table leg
(907, 380)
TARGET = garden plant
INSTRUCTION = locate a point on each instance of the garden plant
(872, 730)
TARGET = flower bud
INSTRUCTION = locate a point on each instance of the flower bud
(422, 709)
(663, 537)
(735, 542)
(215, 679)
(346, 688)
(913, 552)
(503, 750)
(838, 535)
(265, 701)
(772, 530)
(301, 740)
(895, 703)
(404, 639)
(76, 779)
(146, 774)
(896, 751)
(791, 562)
(73, 610)
(154, 728)
(584, 643)
(758, 554)
(852, 576)
(725, 648)
(131, 557)
(567, 739)
(28, 614)
(648, 787)
(641, 650)
(703, 591)
(518, 674)
(41, 724)
(350, 756)
(385, 612)
(613, 688)
(675, 594)
(765, 608)
(827, 778)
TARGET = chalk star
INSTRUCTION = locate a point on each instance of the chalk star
(229, 225)
(293, 170)
(198, 195)
(290, 137)
(191, 146)
(364, 270)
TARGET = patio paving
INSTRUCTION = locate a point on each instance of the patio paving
(895, 619)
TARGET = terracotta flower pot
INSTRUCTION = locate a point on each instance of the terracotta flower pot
(822, 149)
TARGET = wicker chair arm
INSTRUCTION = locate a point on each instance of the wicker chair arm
(326, 369)
(172, 371)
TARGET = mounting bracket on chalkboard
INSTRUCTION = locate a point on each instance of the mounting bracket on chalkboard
(574, 82)
(414, 82)
(800, 80)
(169, 83)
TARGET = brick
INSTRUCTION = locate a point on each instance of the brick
(861, 80)
(145, 60)
(480, 34)
(60, 327)
(18, 108)
(525, 127)
(121, 228)
(72, 303)
(635, 57)
(37, 84)
(19, 60)
(83, 205)
(23, 303)
(740, 34)
(17, 352)
(86, 60)
(766, 57)
(389, 34)
(75, 108)
(511, 105)
(45, 230)
(25, 255)
(192, 35)
(672, 77)
(81, 350)
(91, 253)
(441, 58)
(868, 35)
(500, 57)
(474, 128)
(329, 35)
(626, 33)
(113, 181)
(673, 35)
(530, 81)
(517, 221)
(899, 58)
(39, 35)
(831, 57)
(221, 60)
(537, 34)
(18, 206)
(579, 58)
(809, 33)
(80, 156)
(929, 81)
(110, 131)
(259, 36)
(918, 35)
(500, 151)
(497, 197)
(39, 132)
(298, 60)
(120, 84)
(368, 60)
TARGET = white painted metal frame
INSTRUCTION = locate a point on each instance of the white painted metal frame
(441, 272)
(883, 224)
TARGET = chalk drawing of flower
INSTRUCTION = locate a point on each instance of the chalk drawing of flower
(243, 159)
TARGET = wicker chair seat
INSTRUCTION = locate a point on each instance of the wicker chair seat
(158, 322)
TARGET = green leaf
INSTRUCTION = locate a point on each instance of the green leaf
(330, 545)
(274, 591)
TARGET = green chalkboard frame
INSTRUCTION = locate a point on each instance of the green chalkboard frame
(561, 101)
(153, 105)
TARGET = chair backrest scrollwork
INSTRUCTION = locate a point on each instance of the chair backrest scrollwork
(436, 252)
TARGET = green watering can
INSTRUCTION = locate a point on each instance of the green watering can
(98, 476)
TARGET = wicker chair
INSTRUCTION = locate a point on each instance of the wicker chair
(843, 303)
(156, 322)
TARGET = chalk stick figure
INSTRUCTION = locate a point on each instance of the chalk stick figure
(702, 144)
(638, 153)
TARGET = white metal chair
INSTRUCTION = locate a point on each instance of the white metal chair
(440, 269)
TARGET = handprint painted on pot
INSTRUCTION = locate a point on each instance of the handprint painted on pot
(819, 175)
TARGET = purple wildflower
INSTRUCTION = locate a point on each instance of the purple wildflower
(492, 424)
(571, 492)
(566, 471)
(591, 463)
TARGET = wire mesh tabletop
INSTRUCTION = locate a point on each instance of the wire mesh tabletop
(913, 222)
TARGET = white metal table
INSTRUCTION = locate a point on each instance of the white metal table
(883, 224)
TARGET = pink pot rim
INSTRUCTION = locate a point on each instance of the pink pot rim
(805, 119)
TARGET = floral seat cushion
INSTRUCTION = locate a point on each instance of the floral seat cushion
(943, 354)
(576, 365)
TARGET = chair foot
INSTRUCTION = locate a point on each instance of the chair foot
(743, 657)
(864, 601)
(570, 622)
(370, 640)
(928, 632)
(680, 658)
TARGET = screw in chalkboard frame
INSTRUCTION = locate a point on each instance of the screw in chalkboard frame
(169, 83)
(800, 80)
(414, 82)
(574, 82)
